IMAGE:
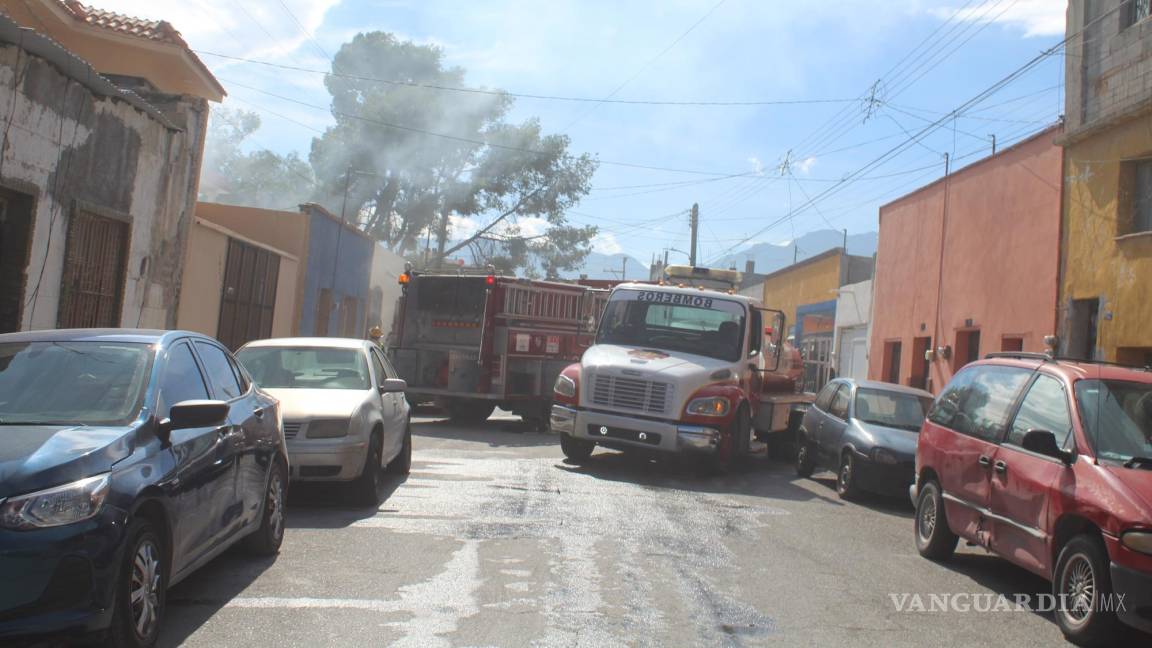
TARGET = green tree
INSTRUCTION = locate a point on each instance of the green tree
(404, 185)
(258, 178)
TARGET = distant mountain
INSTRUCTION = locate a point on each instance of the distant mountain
(609, 266)
(770, 257)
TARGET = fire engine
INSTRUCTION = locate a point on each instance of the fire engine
(472, 342)
(686, 366)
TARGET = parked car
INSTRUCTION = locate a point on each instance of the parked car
(128, 459)
(345, 415)
(865, 431)
(1048, 464)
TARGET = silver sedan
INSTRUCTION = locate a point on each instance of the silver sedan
(345, 415)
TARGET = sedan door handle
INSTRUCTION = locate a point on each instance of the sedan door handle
(258, 412)
(1001, 467)
(985, 461)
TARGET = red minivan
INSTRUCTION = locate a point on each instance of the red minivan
(1047, 463)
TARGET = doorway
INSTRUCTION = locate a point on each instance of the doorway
(15, 239)
(1083, 327)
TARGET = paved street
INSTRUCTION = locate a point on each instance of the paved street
(494, 540)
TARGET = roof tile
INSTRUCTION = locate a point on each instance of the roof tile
(157, 30)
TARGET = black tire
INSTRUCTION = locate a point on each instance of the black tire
(847, 481)
(576, 449)
(934, 538)
(469, 412)
(401, 464)
(368, 488)
(266, 540)
(805, 458)
(739, 433)
(1081, 581)
(144, 575)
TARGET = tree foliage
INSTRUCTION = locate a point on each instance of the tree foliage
(406, 186)
(258, 178)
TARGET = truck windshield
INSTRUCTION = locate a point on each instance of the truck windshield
(451, 296)
(700, 324)
(1117, 416)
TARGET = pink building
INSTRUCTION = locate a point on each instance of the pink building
(968, 265)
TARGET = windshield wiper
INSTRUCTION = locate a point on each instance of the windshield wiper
(1138, 461)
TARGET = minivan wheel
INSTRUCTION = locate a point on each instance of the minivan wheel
(266, 540)
(1081, 583)
(368, 488)
(576, 449)
(934, 539)
(140, 593)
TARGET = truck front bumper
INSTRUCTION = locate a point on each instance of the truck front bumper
(622, 431)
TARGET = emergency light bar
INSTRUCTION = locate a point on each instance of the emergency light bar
(688, 273)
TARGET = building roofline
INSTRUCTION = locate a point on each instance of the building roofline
(810, 260)
(971, 168)
(75, 68)
(311, 207)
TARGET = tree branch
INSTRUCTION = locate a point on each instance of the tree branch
(484, 230)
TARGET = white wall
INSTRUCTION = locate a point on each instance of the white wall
(386, 269)
(853, 325)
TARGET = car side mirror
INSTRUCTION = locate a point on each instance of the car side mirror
(192, 414)
(393, 385)
(1044, 442)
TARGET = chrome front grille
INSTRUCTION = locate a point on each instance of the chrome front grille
(291, 430)
(635, 394)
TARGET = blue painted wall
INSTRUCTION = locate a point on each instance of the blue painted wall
(352, 258)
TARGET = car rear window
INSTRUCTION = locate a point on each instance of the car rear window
(306, 367)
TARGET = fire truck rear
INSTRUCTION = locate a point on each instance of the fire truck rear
(681, 367)
(474, 342)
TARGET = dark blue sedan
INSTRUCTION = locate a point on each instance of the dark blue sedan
(127, 460)
(866, 431)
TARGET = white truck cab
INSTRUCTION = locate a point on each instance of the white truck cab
(679, 368)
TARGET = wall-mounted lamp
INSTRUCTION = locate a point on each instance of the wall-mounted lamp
(929, 355)
(1052, 342)
(944, 352)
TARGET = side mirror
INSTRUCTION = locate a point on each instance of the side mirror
(192, 414)
(1044, 442)
(393, 385)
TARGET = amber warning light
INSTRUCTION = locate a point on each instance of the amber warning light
(403, 279)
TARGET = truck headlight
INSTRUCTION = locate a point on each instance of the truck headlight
(1138, 541)
(57, 506)
(710, 406)
(328, 429)
(884, 456)
(565, 386)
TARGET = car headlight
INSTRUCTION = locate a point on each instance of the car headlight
(711, 406)
(565, 386)
(328, 429)
(1138, 541)
(885, 456)
(57, 506)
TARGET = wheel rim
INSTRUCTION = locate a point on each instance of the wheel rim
(845, 474)
(927, 521)
(1079, 590)
(275, 504)
(802, 456)
(145, 588)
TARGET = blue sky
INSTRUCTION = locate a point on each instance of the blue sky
(744, 50)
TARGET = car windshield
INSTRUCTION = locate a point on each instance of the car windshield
(305, 367)
(1117, 415)
(69, 383)
(892, 409)
(700, 324)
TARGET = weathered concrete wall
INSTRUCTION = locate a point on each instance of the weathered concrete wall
(1099, 262)
(1108, 67)
(78, 148)
(999, 255)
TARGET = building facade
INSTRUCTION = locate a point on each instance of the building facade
(337, 277)
(244, 273)
(852, 328)
(968, 265)
(1106, 262)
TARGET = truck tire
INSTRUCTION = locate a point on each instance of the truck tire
(469, 412)
(733, 450)
(574, 449)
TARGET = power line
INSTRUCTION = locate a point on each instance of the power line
(304, 30)
(525, 95)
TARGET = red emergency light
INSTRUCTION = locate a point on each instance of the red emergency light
(490, 280)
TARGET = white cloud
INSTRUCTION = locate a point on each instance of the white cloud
(805, 166)
(1035, 17)
(462, 227)
(757, 165)
(606, 243)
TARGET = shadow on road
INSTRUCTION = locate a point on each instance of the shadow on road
(758, 478)
(331, 506)
(496, 433)
(897, 505)
(226, 577)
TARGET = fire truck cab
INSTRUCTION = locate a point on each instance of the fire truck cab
(686, 366)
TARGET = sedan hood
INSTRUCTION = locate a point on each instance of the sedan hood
(902, 442)
(305, 404)
(34, 457)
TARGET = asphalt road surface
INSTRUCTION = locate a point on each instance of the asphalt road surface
(494, 541)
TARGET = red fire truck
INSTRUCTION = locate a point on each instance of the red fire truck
(473, 342)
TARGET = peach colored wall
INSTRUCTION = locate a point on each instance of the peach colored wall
(1000, 258)
(283, 230)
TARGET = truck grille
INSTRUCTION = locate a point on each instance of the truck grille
(291, 430)
(631, 393)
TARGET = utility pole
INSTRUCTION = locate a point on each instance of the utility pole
(795, 253)
(694, 223)
(993, 136)
(845, 241)
(623, 269)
